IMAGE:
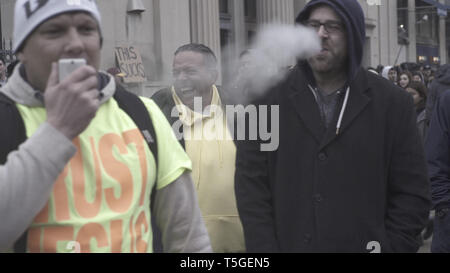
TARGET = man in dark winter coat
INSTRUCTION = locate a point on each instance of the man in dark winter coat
(440, 84)
(438, 156)
(349, 174)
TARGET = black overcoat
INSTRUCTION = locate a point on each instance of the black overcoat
(323, 192)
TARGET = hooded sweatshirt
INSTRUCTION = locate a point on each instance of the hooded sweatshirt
(437, 147)
(352, 16)
(299, 196)
(437, 143)
(385, 72)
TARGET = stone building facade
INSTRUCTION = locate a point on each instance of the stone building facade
(155, 28)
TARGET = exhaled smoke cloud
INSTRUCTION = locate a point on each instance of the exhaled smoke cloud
(276, 47)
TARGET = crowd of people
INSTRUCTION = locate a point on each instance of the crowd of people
(88, 166)
(416, 79)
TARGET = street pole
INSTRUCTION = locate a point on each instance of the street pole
(398, 55)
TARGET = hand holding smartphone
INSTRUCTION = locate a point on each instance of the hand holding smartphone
(67, 66)
(71, 106)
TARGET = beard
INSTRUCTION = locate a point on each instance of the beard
(327, 61)
(320, 64)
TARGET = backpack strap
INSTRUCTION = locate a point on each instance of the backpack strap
(13, 128)
(11, 136)
(136, 110)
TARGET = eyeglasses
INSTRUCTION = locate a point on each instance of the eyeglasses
(331, 27)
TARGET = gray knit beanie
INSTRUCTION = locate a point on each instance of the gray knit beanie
(29, 14)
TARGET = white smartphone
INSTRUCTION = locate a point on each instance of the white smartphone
(67, 66)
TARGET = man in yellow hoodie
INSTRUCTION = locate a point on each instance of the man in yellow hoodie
(194, 106)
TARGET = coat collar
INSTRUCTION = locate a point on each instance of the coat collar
(306, 106)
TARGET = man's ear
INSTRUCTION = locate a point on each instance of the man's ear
(214, 75)
(21, 56)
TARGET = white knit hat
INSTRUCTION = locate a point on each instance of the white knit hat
(29, 14)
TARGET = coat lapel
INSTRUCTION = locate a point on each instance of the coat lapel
(306, 107)
(357, 101)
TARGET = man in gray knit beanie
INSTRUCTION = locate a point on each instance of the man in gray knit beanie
(82, 181)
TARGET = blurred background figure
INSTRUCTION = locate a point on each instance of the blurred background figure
(118, 76)
(10, 68)
(241, 85)
(427, 73)
(417, 76)
(439, 85)
(390, 73)
(3, 77)
(404, 79)
(380, 69)
(431, 77)
(409, 66)
(419, 93)
(373, 70)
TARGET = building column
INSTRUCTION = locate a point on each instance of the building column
(442, 38)
(394, 47)
(170, 33)
(238, 26)
(412, 47)
(275, 11)
(205, 26)
(298, 6)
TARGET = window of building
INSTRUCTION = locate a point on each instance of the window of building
(223, 6)
(225, 23)
(225, 38)
(447, 36)
(226, 17)
(250, 9)
(427, 23)
(427, 32)
(250, 19)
